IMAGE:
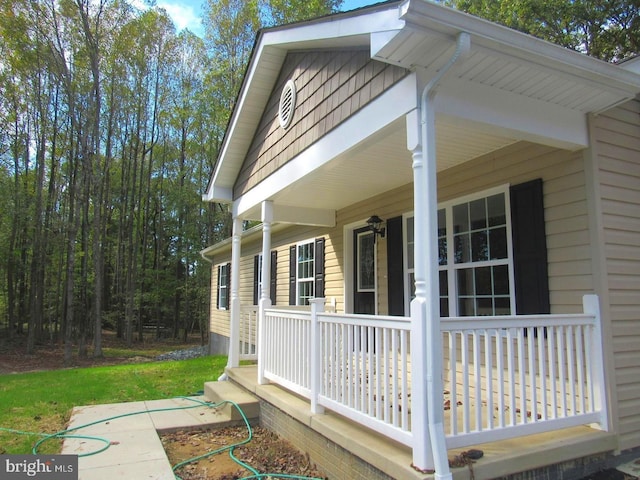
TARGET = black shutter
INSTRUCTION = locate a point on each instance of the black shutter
(319, 268)
(395, 266)
(529, 248)
(293, 263)
(274, 276)
(256, 271)
(218, 289)
(228, 285)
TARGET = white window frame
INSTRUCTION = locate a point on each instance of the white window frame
(222, 286)
(303, 280)
(452, 267)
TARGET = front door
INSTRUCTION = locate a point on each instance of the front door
(364, 268)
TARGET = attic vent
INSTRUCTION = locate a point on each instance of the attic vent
(287, 104)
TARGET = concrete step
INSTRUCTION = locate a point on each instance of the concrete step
(217, 392)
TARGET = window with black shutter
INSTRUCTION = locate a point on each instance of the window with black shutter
(224, 284)
(306, 271)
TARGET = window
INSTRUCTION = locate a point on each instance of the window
(475, 263)
(306, 271)
(224, 280)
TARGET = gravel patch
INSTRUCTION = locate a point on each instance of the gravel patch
(185, 354)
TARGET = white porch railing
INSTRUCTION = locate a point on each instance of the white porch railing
(512, 376)
(248, 333)
(504, 376)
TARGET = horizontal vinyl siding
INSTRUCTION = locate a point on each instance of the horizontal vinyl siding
(219, 319)
(617, 143)
(566, 220)
(386, 205)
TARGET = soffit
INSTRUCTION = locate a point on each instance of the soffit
(504, 59)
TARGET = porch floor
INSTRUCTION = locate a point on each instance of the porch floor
(502, 458)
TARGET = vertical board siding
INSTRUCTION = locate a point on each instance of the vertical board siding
(617, 145)
(331, 86)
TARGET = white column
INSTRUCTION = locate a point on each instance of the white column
(265, 300)
(234, 304)
(422, 452)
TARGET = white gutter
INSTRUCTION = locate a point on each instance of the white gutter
(429, 263)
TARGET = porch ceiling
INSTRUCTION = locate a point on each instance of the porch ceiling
(379, 164)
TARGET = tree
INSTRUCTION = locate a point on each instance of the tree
(605, 29)
(280, 12)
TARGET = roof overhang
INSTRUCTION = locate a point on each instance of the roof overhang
(520, 88)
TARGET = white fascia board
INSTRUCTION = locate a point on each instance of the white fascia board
(315, 217)
(420, 14)
(512, 115)
(632, 65)
(334, 27)
(218, 194)
(391, 105)
(230, 158)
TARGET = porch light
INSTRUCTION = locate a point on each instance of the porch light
(375, 223)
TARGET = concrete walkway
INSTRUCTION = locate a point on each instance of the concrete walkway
(131, 429)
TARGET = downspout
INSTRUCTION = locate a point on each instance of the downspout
(435, 387)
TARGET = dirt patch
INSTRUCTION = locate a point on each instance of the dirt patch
(266, 453)
(50, 356)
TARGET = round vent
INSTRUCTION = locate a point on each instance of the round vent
(287, 104)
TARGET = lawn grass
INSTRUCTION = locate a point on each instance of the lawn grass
(42, 401)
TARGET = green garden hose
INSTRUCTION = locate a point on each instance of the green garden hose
(107, 443)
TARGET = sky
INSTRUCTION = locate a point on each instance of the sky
(188, 13)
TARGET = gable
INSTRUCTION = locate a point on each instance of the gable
(330, 86)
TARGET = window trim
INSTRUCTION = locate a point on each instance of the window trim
(312, 279)
(452, 268)
(224, 286)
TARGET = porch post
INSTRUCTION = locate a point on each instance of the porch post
(591, 306)
(265, 299)
(317, 306)
(422, 452)
(234, 305)
(426, 338)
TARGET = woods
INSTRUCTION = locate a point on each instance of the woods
(110, 123)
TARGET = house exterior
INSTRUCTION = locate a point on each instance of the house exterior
(505, 269)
